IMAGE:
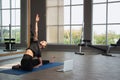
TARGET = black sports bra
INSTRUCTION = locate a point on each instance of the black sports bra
(35, 49)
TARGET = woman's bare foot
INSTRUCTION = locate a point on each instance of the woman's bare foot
(17, 67)
(53, 59)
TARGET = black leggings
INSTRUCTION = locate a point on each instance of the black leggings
(27, 62)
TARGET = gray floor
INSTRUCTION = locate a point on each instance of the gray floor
(86, 67)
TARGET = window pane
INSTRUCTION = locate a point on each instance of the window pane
(5, 17)
(61, 2)
(15, 17)
(113, 33)
(15, 3)
(57, 2)
(0, 34)
(52, 35)
(5, 32)
(61, 16)
(99, 34)
(66, 2)
(17, 37)
(52, 2)
(98, 1)
(77, 1)
(61, 35)
(0, 17)
(13, 32)
(5, 4)
(52, 16)
(113, 0)
(113, 13)
(99, 13)
(16, 34)
(67, 35)
(77, 14)
(64, 15)
(76, 34)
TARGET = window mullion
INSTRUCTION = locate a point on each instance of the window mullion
(70, 22)
(107, 23)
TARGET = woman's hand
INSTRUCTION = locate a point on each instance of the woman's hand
(38, 66)
(37, 18)
(40, 60)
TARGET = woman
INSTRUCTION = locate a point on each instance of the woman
(32, 57)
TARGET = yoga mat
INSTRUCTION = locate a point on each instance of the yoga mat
(20, 72)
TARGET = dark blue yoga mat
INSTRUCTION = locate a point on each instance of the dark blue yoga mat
(20, 72)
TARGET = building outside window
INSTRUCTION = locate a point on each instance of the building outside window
(106, 21)
(64, 21)
(10, 20)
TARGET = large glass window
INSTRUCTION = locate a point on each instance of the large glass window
(10, 20)
(64, 21)
(106, 21)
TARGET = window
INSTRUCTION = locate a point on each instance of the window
(106, 21)
(64, 21)
(10, 20)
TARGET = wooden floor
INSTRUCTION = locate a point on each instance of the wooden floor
(6, 53)
(86, 67)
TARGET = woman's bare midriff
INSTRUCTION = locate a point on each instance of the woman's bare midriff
(29, 52)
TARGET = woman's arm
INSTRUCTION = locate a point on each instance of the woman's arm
(40, 60)
(36, 28)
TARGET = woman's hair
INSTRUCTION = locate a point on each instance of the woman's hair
(43, 44)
